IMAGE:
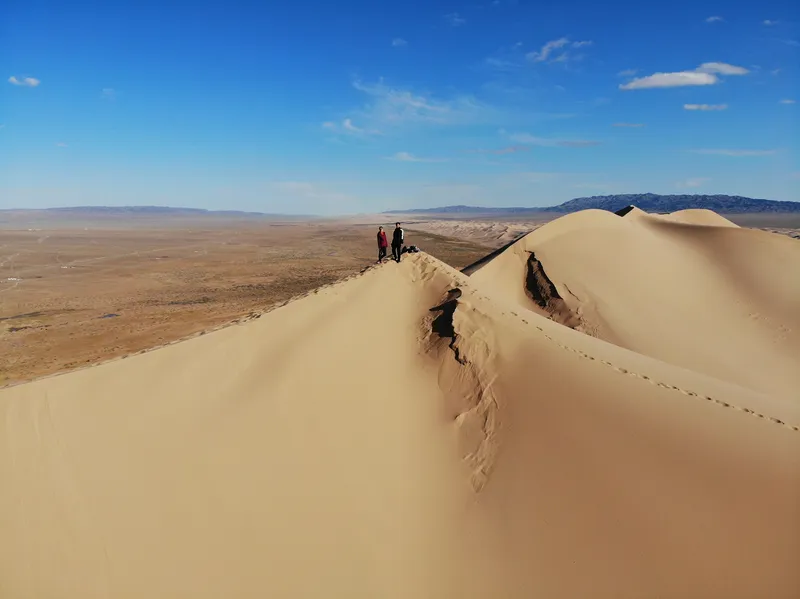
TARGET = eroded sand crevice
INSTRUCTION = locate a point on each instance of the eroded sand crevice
(467, 388)
(540, 289)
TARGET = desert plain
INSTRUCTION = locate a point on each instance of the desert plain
(77, 291)
(596, 405)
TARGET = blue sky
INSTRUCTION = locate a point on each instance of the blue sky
(356, 106)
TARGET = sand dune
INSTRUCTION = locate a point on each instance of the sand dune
(715, 299)
(413, 432)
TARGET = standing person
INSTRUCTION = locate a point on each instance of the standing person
(382, 244)
(397, 242)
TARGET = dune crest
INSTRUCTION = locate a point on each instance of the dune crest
(407, 433)
(715, 299)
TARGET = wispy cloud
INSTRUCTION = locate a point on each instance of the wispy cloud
(109, 93)
(501, 64)
(705, 74)
(399, 41)
(775, 72)
(627, 73)
(692, 182)
(787, 101)
(769, 22)
(454, 19)
(347, 127)
(393, 107)
(714, 19)
(628, 125)
(24, 82)
(557, 50)
(721, 68)
(527, 138)
(705, 106)
(544, 54)
(408, 157)
(725, 152)
(61, 144)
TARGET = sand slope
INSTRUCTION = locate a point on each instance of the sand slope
(390, 437)
(716, 299)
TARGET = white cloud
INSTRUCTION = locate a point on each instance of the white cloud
(25, 82)
(527, 138)
(544, 54)
(724, 152)
(721, 68)
(454, 19)
(705, 74)
(399, 41)
(768, 22)
(705, 106)
(714, 19)
(627, 73)
(628, 125)
(582, 44)
(692, 182)
(61, 144)
(408, 157)
(679, 79)
(787, 101)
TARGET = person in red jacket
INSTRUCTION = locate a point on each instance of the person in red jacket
(382, 244)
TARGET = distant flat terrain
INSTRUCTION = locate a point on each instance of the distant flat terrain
(74, 293)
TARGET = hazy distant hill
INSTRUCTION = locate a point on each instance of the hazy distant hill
(649, 202)
(136, 212)
(141, 211)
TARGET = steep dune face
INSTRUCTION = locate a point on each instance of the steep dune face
(402, 434)
(716, 299)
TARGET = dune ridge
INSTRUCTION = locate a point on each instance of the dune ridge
(410, 432)
(713, 298)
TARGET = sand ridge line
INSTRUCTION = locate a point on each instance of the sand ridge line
(644, 377)
(650, 380)
(237, 321)
(477, 414)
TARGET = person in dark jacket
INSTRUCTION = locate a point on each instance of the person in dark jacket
(382, 244)
(397, 242)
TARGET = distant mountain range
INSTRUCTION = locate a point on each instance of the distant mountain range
(139, 211)
(649, 202)
(147, 210)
